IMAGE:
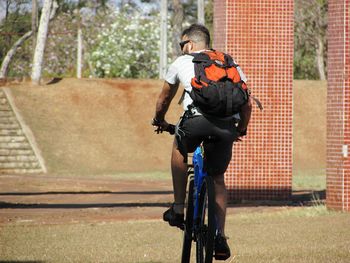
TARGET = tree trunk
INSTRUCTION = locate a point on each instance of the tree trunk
(177, 19)
(200, 12)
(41, 41)
(320, 58)
(34, 21)
(163, 57)
(79, 53)
(6, 62)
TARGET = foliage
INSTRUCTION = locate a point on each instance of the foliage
(128, 47)
(121, 49)
(310, 39)
(15, 23)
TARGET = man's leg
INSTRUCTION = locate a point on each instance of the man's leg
(222, 250)
(221, 202)
(179, 175)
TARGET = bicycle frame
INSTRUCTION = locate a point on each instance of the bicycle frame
(200, 222)
(199, 174)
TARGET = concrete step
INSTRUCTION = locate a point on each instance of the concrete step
(16, 152)
(20, 165)
(3, 101)
(5, 107)
(18, 158)
(12, 132)
(6, 114)
(8, 120)
(15, 145)
(9, 126)
(6, 139)
(20, 171)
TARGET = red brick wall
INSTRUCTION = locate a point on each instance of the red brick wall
(259, 35)
(338, 105)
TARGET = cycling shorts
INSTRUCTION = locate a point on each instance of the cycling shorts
(217, 136)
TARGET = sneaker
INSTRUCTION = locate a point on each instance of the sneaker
(173, 218)
(222, 250)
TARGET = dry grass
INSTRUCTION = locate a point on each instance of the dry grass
(314, 179)
(292, 235)
(103, 126)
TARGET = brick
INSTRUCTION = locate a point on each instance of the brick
(338, 105)
(250, 30)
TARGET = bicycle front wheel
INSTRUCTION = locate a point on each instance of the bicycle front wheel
(187, 240)
(205, 233)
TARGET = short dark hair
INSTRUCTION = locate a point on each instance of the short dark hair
(197, 33)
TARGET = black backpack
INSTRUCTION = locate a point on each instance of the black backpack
(217, 88)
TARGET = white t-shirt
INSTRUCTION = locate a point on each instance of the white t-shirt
(182, 71)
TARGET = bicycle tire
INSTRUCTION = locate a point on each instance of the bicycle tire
(187, 238)
(205, 233)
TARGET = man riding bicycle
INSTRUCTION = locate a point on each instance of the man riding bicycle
(195, 128)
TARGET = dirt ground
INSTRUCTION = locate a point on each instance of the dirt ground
(39, 199)
(42, 199)
(101, 127)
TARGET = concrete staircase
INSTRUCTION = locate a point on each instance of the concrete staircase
(16, 152)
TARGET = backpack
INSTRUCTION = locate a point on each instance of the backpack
(217, 88)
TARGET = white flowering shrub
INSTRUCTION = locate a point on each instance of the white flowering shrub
(128, 47)
(122, 43)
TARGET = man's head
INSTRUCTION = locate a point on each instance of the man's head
(195, 38)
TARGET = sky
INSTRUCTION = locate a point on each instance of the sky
(145, 7)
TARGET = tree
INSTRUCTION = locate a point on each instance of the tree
(9, 55)
(127, 47)
(41, 40)
(15, 23)
(20, 12)
(176, 24)
(310, 46)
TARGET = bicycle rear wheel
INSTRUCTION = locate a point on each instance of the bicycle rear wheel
(187, 239)
(205, 233)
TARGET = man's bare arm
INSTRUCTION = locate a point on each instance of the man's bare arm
(166, 96)
(245, 114)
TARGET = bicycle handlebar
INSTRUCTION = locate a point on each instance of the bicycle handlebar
(170, 129)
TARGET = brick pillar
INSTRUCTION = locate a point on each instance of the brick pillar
(338, 105)
(259, 35)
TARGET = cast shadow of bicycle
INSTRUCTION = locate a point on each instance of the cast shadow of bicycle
(250, 198)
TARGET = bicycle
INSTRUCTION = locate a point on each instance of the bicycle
(200, 225)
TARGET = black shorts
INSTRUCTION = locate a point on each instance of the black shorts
(217, 137)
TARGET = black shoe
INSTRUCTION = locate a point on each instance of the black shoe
(222, 250)
(173, 218)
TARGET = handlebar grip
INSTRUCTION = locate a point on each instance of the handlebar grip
(171, 129)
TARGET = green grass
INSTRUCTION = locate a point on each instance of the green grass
(309, 179)
(152, 176)
(310, 234)
(149, 175)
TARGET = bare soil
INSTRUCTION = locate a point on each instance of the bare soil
(42, 199)
(87, 129)
(38, 199)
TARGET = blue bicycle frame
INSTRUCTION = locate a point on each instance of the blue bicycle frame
(199, 174)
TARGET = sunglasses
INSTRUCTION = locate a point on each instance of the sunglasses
(183, 43)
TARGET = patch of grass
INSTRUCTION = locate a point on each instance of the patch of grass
(309, 179)
(150, 175)
(156, 175)
(291, 235)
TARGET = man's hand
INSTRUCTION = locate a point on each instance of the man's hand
(160, 124)
(165, 97)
